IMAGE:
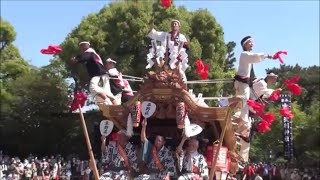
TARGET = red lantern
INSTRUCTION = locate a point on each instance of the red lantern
(222, 157)
(180, 114)
(136, 113)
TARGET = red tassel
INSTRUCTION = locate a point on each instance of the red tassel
(295, 89)
(204, 75)
(79, 99)
(199, 66)
(292, 80)
(275, 95)
(269, 117)
(263, 126)
(258, 107)
(47, 51)
(202, 69)
(286, 112)
(52, 49)
(55, 48)
(166, 3)
(277, 55)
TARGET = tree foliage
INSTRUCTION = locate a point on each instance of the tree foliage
(306, 121)
(229, 69)
(7, 34)
(309, 81)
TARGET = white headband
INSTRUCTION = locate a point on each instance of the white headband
(246, 41)
(84, 42)
(110, 60)
(272, 75)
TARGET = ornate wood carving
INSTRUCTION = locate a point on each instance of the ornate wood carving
(166, 89)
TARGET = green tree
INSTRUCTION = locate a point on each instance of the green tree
(37, 95)
(230, 59)
(309, 81)
(7, 34)
(12, 66)
(229, 69)
(273, 139)
(307, 148)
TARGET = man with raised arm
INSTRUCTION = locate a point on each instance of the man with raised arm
(191, 163)
(120, 158)
(158, 159)
(175, 45)
(99, 87)
(244, 78)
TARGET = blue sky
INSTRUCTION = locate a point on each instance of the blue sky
(275, 25)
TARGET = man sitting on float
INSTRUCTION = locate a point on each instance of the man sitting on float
(260, 90)
(173, 47)
(119, 86)
(99, 78)
(157, 158)
(191, 163)
(120, 158)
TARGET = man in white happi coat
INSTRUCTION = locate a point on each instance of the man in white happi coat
(99, 78)
(120, 158)
(262, 91)
(243, 80)
(157, 158)
(261, 87)
(192, 164)
(175, 45)
(119, 86)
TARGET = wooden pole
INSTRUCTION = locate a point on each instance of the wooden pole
(86, 135)
(215, 158)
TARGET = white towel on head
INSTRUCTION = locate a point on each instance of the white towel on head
(90, 50)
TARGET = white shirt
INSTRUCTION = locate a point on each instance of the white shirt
(261, 89)
(247, 58)
(163, 36)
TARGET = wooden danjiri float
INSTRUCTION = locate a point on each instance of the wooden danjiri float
(166, 88)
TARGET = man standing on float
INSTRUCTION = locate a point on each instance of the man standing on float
(243, 81)
(173, 42)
